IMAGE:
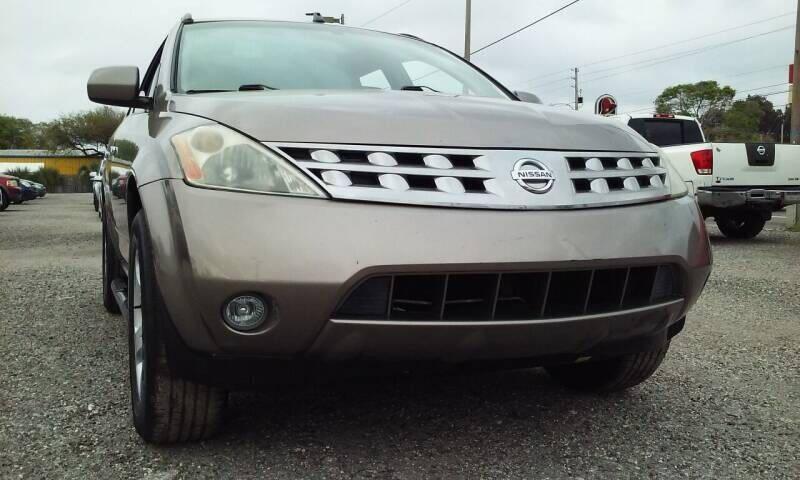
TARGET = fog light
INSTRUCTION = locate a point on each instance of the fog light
(245, 313)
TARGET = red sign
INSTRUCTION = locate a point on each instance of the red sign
(605, 105)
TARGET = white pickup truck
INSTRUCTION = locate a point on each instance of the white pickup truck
(738, 184)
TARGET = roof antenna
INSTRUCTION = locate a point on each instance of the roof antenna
(317, 17)
(187, 19)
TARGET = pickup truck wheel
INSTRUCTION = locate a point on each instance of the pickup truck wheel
(110, 273)
(741, 225)
(610, 375)
(166, 407)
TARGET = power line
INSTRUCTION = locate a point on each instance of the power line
(551, 82)
(733, 99)
(656, 61)
(387, 12)
(758, 71)
(740, 74)
(669, 44)
(686, 53)
(687, 40)
(525, 27)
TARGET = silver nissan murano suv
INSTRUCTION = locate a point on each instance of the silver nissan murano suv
(284, 199)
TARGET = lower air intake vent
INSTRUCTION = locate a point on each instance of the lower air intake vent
(510, 296)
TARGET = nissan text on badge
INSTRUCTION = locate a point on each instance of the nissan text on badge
(283, 199)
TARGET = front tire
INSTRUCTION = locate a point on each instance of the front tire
(3, 200)
(610, 375)
(741, 225)
(166, 407)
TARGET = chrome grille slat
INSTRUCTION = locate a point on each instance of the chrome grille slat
(637, 172)
(427, 171)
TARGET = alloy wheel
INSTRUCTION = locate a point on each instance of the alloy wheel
(138, 334)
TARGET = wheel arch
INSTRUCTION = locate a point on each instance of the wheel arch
(132, 200)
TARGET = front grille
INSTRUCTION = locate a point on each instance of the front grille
(603, 175)
(510, 296)
(393, 170)
(476, 178)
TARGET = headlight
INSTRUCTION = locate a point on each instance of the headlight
(215, 156)
(677, 187)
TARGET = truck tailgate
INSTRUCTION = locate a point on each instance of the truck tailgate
(756, 165)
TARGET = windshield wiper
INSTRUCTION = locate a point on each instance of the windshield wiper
(255, 86)
(418, 88)
(189, 92)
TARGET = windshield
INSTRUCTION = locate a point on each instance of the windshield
(225, 56)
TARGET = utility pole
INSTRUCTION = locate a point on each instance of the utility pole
(468, 29)
(794, 132)
(793, 213)
(577, 91)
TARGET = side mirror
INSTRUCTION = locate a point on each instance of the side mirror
(117, 86)
(94, 176)
(527, 97)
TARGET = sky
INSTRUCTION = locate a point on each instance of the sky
(48, 48)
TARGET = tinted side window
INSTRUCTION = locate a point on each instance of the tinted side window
(664, 132)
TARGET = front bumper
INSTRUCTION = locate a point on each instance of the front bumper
(306, 254)
(14, 194)
(736, 197)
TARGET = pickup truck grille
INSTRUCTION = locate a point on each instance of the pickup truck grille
(470, 178)
(510, 296)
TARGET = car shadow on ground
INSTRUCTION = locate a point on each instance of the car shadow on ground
(719, 239)
(466, 407)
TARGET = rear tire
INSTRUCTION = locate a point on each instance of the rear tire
(741, 225)
(3, 200)
(96, 203)
(166, 407)
(611, 375)
(110, 273)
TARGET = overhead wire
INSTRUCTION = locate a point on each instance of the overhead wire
(387, 12)
(667, 45)
(563, 7)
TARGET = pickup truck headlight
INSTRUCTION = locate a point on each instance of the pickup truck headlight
(215, 156)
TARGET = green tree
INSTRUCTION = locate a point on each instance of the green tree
(741, 121)
(695, 99)
(748, 120)
(16, 133)
(87, 131)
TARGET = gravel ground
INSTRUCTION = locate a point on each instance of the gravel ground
(725, 404)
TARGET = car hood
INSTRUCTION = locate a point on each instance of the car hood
(404, 118)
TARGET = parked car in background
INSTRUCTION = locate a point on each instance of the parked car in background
(97, 189)
(290, 196)
(10, 191)
(41, 190)
(738, 184)
(29, 192)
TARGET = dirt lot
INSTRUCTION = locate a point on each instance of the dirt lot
(725, 404)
